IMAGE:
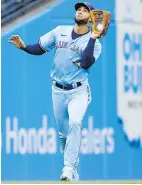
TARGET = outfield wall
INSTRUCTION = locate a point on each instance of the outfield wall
(112, 129)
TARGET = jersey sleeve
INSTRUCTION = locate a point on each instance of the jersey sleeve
(47, 41)
(97, 49)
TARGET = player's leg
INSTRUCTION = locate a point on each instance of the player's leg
(77, 107)
(75, 177)
(61, 114)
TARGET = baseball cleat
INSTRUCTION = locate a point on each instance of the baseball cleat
(63, 178)
(67, 174)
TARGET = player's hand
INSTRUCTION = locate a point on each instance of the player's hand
(95, 35)
(17, 41)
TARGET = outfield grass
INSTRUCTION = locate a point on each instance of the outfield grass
(80, 182)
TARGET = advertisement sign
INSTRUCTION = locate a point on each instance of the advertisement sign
(129, 70)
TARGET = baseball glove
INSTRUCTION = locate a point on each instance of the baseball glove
(100, 22)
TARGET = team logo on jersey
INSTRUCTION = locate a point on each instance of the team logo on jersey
(76, 49)
(61, 44)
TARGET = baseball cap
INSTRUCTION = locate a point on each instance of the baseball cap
(86, 4)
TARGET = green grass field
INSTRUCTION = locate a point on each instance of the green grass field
(80, 182)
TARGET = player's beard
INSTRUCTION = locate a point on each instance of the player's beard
(81, 22)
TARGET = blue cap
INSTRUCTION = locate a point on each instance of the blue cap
(86, 4)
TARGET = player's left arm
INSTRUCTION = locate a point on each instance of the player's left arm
(90, 54)
(87, 57)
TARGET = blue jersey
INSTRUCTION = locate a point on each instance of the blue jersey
(67, 51)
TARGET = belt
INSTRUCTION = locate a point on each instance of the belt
(68, 86)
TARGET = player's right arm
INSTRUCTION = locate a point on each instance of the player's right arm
(34, 49)
(45, 43)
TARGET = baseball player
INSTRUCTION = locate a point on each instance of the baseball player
(76, 50)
